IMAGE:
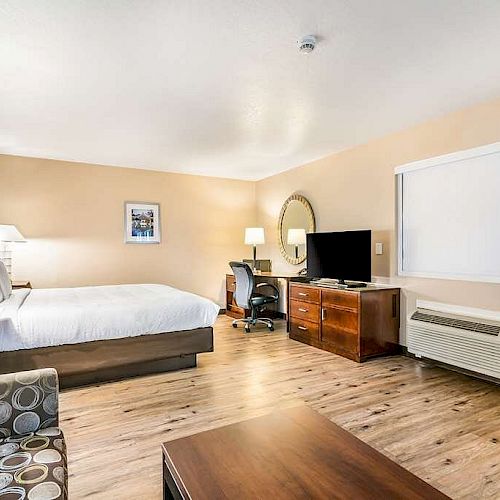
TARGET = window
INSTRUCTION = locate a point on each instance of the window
(449, 216)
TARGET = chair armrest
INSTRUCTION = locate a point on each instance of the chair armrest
(29, 401)
(274, 287)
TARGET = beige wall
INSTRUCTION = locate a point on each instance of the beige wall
(72, 214)
(355, 189)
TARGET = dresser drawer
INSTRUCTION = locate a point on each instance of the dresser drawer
(339, 299)
(304, 310)
(304, 329)
(304, 294)
(235, 312)
(230, 283)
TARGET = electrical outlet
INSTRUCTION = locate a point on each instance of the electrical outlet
(379, 248)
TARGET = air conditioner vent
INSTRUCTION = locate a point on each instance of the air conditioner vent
(461, 324)
(443, 332)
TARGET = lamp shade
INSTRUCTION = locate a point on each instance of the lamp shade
(254, 236)
(296, 237)
(9, 232)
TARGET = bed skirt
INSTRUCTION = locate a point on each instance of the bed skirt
(107, 360)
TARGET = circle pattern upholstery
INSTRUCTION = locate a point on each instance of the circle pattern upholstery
(33, 462)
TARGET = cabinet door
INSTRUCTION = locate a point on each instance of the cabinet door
(340, 329)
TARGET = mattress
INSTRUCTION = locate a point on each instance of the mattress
(59, 316)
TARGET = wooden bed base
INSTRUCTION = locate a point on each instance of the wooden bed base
(106, 360)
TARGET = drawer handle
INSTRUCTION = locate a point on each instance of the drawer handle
(302, 310)
(323, 313)
(302, 294)
(302, 328)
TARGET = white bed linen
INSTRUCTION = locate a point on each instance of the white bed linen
(57, 316)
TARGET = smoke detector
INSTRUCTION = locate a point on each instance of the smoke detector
(307, 44)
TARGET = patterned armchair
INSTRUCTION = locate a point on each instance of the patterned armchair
(33, 462)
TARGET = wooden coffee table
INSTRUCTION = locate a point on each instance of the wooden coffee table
(293, 453)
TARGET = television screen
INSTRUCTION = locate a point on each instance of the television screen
(343, 255)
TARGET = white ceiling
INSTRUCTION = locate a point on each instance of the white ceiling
(218, 87)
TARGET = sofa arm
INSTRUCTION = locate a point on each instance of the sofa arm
(29, 401)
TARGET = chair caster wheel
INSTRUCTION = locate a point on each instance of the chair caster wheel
(247, 329)
(271, 328)
(235, 325)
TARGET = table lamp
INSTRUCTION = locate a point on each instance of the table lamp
(254, 236)
(8, 234)
(296, 237)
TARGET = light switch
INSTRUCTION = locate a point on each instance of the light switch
(379, 248)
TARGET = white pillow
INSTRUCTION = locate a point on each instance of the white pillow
(5, 284)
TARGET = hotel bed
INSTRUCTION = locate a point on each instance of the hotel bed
(93, 334)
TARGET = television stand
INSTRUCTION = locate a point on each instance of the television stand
(357, 323)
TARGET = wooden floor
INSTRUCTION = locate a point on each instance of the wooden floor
(443, 427)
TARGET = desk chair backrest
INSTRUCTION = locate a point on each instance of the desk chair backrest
(245, 283)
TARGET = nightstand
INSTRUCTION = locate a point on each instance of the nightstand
(21, 284)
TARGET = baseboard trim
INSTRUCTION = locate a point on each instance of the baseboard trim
(453, 368)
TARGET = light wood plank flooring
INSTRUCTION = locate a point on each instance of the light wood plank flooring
(443, 427)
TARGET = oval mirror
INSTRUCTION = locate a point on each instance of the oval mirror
(295, 221)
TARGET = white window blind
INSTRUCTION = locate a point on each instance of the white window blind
(449, 216)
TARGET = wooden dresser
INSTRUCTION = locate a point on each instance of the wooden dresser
(357, 323)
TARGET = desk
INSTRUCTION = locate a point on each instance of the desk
(281, 280)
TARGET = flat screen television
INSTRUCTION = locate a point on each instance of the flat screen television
(342, 255)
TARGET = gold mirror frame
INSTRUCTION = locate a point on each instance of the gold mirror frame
(312, 226)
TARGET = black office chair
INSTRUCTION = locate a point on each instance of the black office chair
(247, 297)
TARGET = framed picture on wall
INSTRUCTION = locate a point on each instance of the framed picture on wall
(142, 222)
